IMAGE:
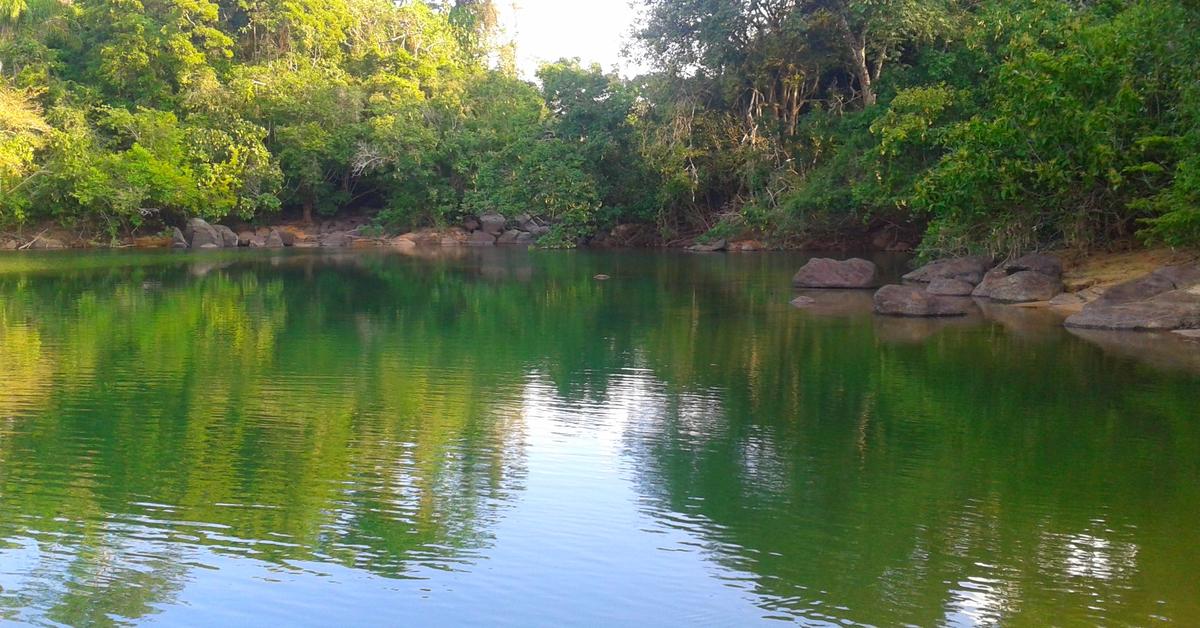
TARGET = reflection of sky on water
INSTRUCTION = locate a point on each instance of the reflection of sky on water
(514, 443)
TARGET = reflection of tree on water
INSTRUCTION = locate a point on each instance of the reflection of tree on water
(976, 472)
(360, 410)
(161, 414)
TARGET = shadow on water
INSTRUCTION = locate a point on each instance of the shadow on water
(392, 415)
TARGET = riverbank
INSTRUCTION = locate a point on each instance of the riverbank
(1085, 274)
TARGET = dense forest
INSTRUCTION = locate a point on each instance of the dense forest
(983, 124)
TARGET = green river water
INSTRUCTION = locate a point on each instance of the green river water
(496, 438)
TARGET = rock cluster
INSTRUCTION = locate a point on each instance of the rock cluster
(938, 288)
(492, 229)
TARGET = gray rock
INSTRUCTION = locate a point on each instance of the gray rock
(492, 223)
(245, 237)
(803, 301)
(177, 239)
(916, 302)
(229, 239)
(1026, 286)
(1048, 265)
(12, 245)
(274, 240)
(199, 233)
(471, 224)
(509, 237)
(830, 273)
(709, 247)
(946, 287)
(481, 238)
(538, 231)
(1177, 309)
(1162, 280)
(968, 269)
(523, 222)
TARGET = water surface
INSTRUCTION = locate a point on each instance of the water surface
(493, 437)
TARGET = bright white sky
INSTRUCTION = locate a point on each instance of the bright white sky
(548, 30)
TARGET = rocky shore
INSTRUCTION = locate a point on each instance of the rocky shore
(1165, 299)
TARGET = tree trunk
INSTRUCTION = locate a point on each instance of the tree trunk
(308, 209)
(857, 44)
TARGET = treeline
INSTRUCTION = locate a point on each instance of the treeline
(996, 124)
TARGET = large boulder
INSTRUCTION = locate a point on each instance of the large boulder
(1162, 280)
(1048, 265)
(1027, 279)
(229, 239)
(916, 302)
(492, 223)
(947, 287)
(201, 235)
(968, 269)
(1177, 309)
(524, 222)
(274, 240)
(830, 273)
(509, 237)
(1166, 299)
(178, 241)
(1026, 286)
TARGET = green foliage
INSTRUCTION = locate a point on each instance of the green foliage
(997, 125)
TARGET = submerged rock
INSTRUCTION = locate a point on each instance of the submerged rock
(843, 274)
(968, 269)
(916, 302)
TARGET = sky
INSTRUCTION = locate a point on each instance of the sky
(548, 30)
